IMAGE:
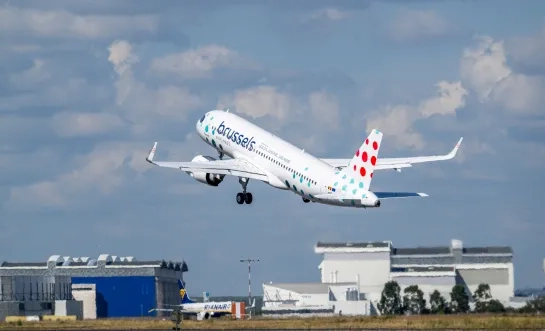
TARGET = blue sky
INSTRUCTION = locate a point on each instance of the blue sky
(89, 86)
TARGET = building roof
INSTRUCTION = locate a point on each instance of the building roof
(104, 260)
(369, 244)
(306, 288)
(421, 251)
(352, 247)
(456, 245)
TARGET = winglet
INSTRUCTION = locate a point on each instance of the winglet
(151, 154)
(455, 149)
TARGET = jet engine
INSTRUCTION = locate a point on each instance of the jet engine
(203, 177)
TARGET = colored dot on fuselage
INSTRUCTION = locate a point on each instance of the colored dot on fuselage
(361, 185)
(206, 128)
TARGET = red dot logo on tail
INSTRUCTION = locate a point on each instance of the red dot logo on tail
(364, 156)
(362, 171)
(373, 160)
(375, 145)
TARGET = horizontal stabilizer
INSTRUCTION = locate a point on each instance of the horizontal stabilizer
(391, 195)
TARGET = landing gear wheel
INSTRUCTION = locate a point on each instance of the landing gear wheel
(244, 197)
(248, 198)
(240, 198)
(306, 200)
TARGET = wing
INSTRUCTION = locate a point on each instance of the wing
(234, 167)
(399, 162)
(170, 310)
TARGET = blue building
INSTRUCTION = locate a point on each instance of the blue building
(114, 286)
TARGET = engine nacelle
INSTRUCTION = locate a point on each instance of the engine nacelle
(204, 315)
(203, 177)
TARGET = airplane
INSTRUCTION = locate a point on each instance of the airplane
(260, 155)
(202, 310)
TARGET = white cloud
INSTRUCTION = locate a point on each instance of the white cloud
(324, 108)
(484, 69)
(72, 124)
(416, 24)
(330, 14)
(61, 23)
(200, 62)
(121, 56)
(38, 73)
(102, 169)
(102, 172)
(483, 66)
(451, 97)
(137, 100)
(260, 101)
(319, 108)
(397, 121)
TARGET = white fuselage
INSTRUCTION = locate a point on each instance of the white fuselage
(291, 167)
(216, 307)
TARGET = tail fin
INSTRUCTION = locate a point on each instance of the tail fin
(362, 165)
(183, 294)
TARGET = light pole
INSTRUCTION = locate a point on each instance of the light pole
(249, 261)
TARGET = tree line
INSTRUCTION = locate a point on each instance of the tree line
(413, 302)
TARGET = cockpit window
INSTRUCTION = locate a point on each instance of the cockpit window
(202, 118)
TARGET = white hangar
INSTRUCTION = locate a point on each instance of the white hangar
(349, 268)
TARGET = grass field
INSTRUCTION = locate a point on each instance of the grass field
(402, 322)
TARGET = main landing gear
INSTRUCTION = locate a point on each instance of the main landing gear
(306, 200)
(243, 197)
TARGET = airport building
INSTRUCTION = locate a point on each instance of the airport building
(107, 286)
(358, 272)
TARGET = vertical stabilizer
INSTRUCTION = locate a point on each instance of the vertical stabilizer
(184, 298)
(358, 174)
